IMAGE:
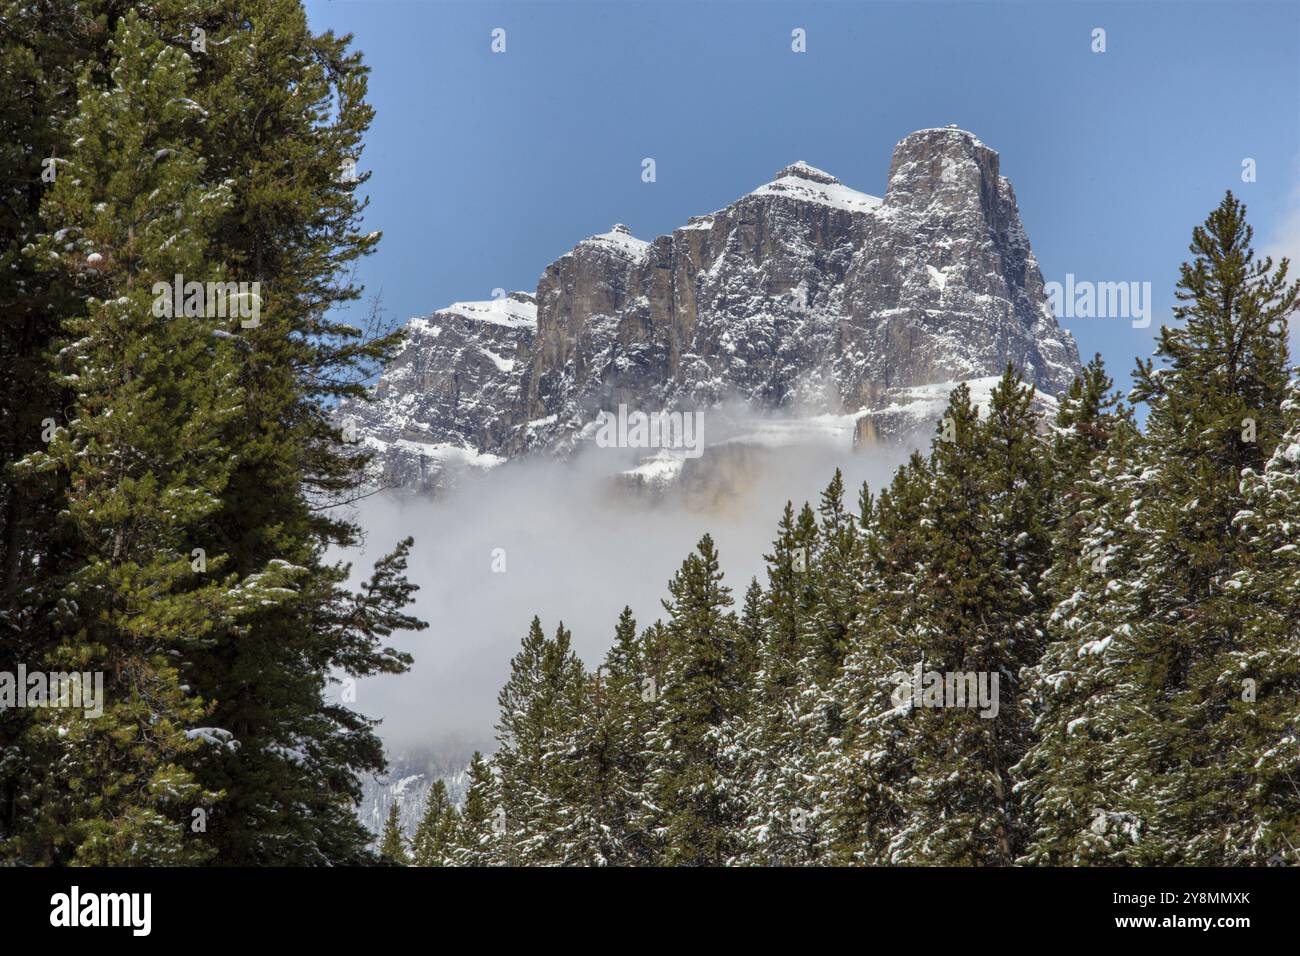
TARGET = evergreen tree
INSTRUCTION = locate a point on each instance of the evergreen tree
(42, 54)
(757, 734)
(146, 468)
(1215, 412)
(1087, 415)
(837, 582)
(798, 713)
(607, 759)
(1262, 825)
(693, 796)
(1173, 629)
(234, 177)
(475, 840)
(865, 770)
(541, 705)
(749, 639)
(392, 845)
(980, 547)
(1076, 699)
(433, 837)
(282, 134)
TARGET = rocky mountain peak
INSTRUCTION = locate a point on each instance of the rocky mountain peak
(805, 183)
(947, 166)
(514, 309)
(618, 241)
(801, 170)
(523, 298)
(804, 296)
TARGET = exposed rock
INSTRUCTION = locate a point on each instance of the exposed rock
(804, 296)
(449, 395)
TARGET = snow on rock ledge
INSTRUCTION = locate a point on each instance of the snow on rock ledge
(809, 184)
(804, 293)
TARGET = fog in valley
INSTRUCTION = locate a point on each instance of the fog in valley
(577, 545)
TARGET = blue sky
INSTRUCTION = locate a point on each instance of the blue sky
(487, 167)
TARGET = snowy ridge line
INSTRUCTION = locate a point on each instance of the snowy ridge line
(619, 239)
(803, 295)
(809, 184)
(507, 310)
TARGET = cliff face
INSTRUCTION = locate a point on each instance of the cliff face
(945, 286)
(448, 397)
(803, 295)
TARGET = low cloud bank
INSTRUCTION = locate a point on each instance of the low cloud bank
(576, 546)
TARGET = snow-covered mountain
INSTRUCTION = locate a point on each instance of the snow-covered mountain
(410, 776)
(804, 296)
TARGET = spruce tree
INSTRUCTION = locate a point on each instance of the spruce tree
(1076, 699)
(798, 713)
(475, 841)
(696, 803)
(540, 705)
(607, 759)
(1172, 629)
(1262, 825)
(392, 845)
(978, 546)
(837, 581)
(757, 733)
(282, 134)
(42, 55)
(433, 837)
(1215, 412)
(146, 468)
(749, 639)
(260, 151)
(865, 769)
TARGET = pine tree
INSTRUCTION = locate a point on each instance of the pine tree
(990, 620)
(749, 639)
(693, 796)
(797, 714)
(607, 760)
(865, 770)
(1072, 778)
(627, 720)
(41, 59)
(943, 772)
(1076, 699)
(757, 734)
(282, 134)
(541, 705)
(1173, 629)
(475, 841)
(392, 845)
(1087, 415)
(1263, 824)
(433, 837)
(145, 467)
(837, 582)
(259, 152)
(1215, 412)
